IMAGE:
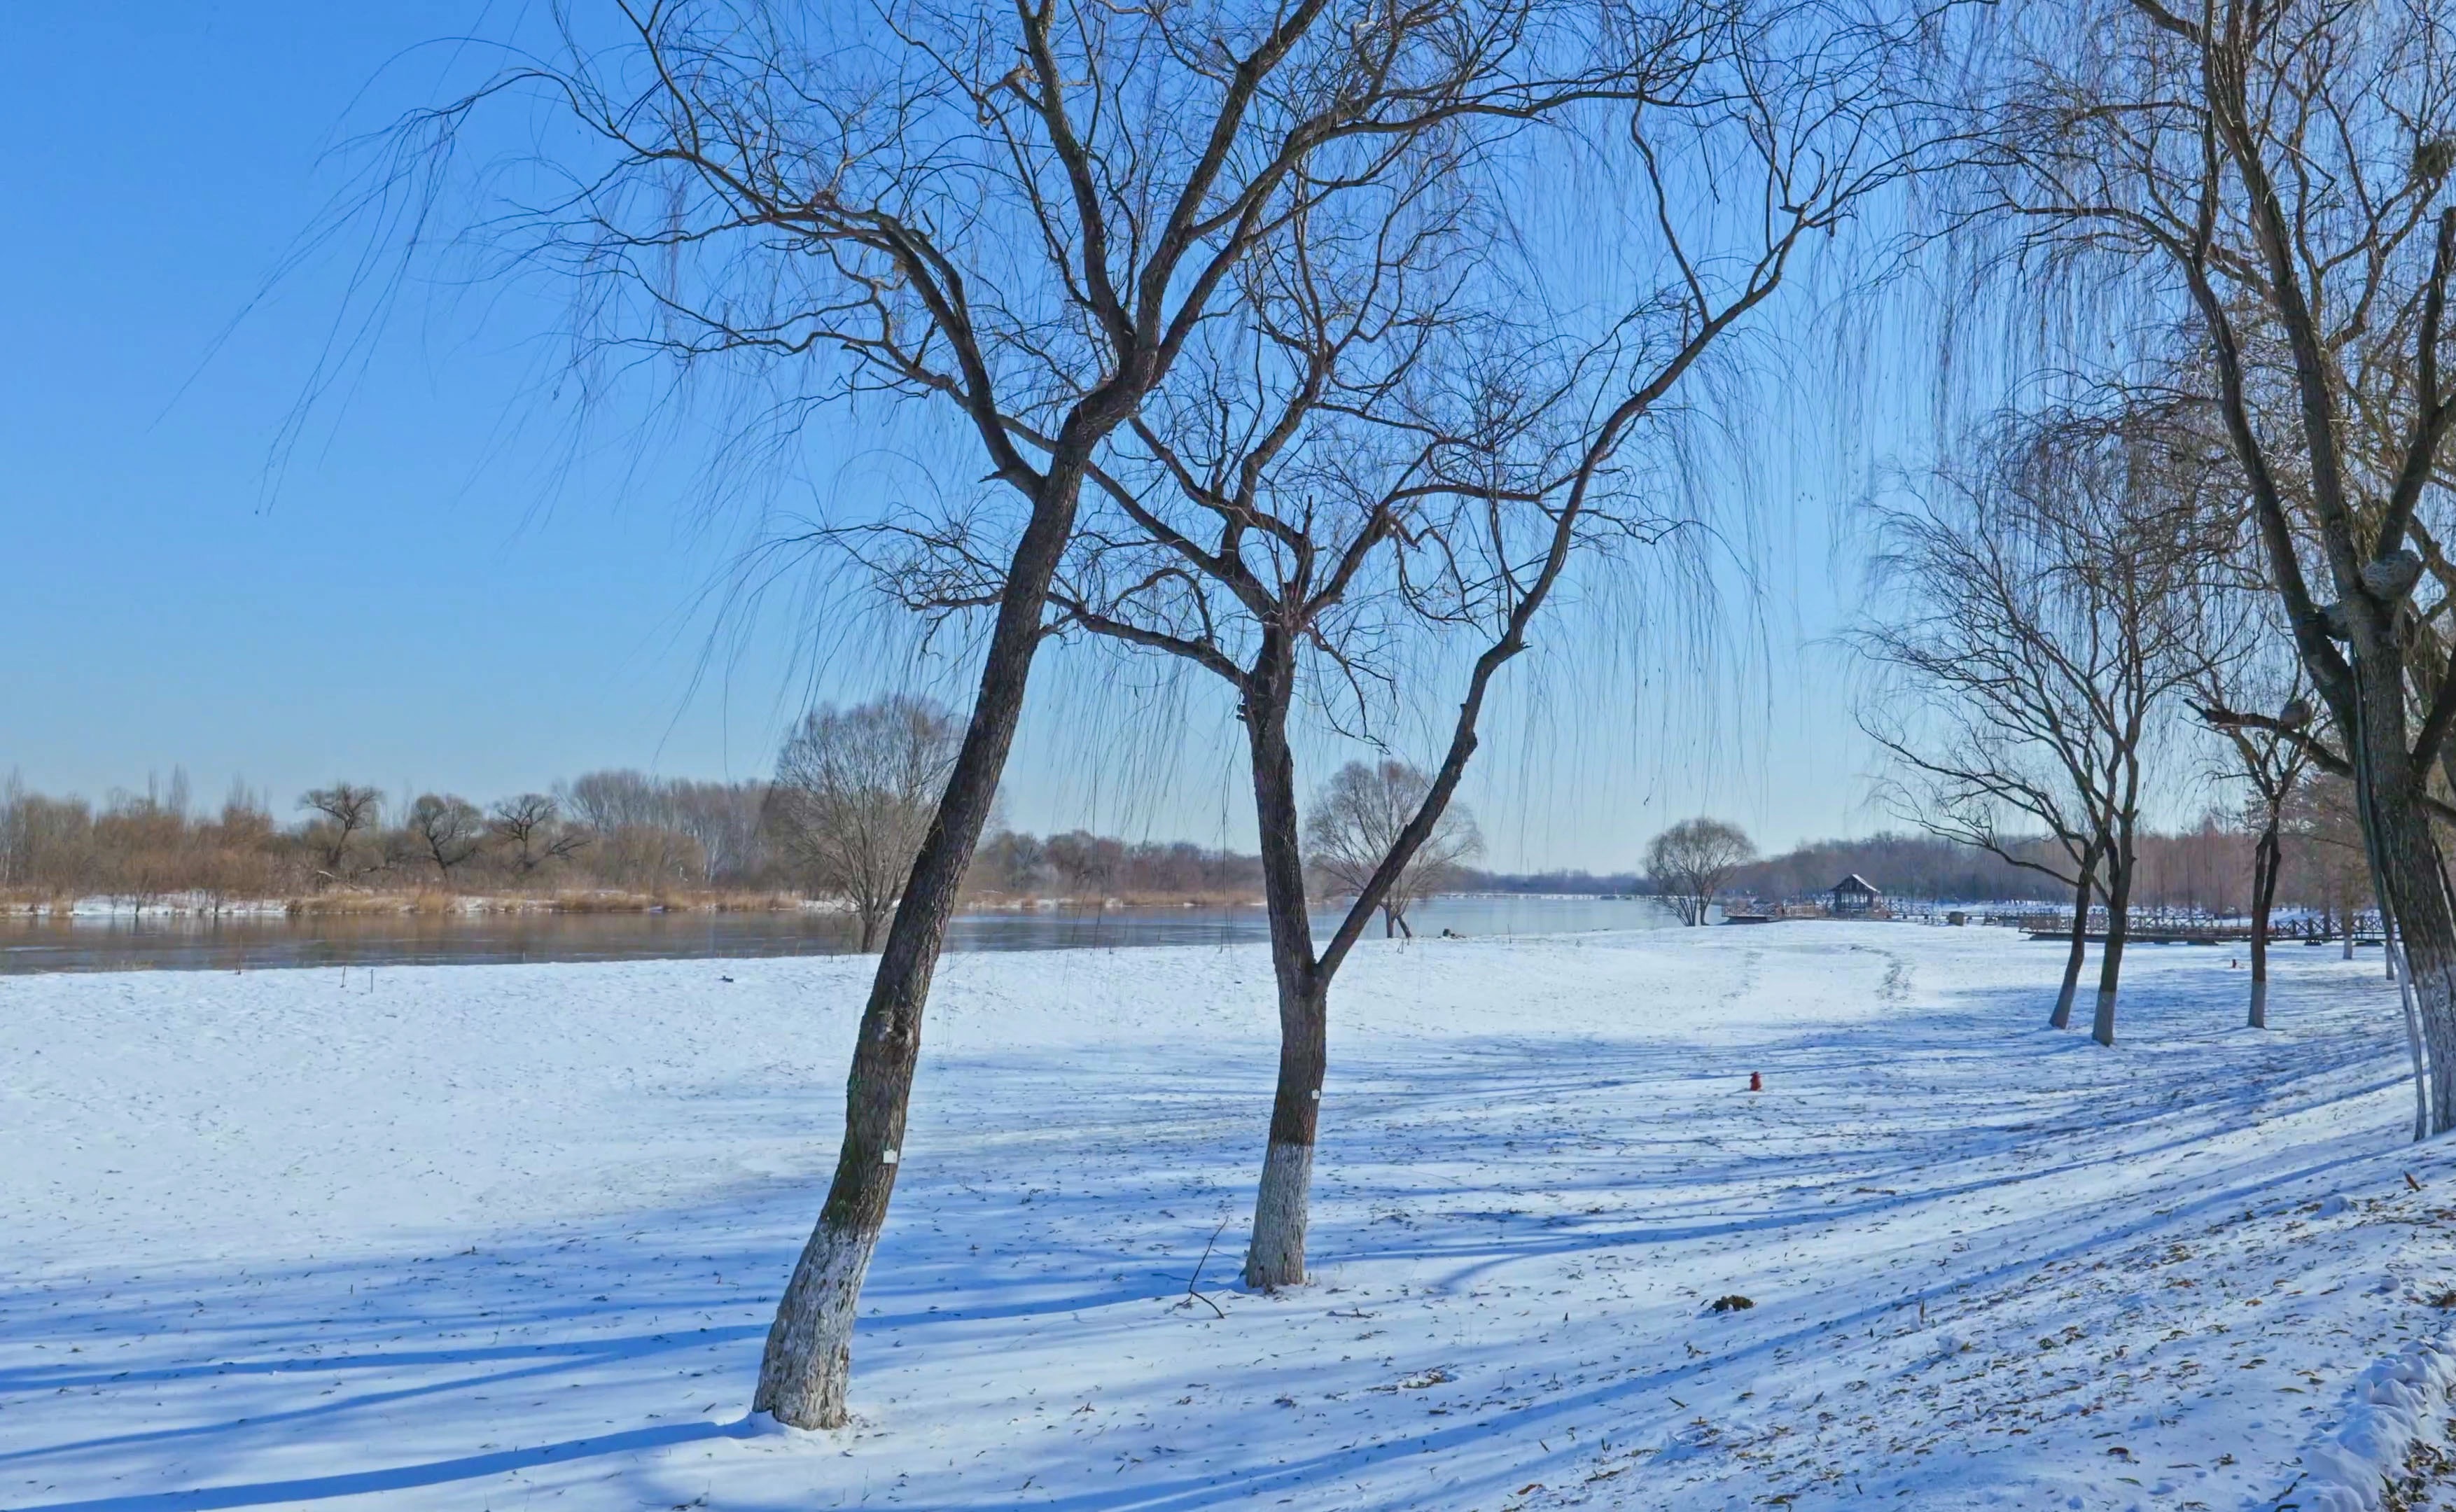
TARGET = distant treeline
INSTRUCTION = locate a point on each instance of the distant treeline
(630, 833)
(2206, 869)
(1078, 864)
(1904, 865)
(620, 831)
(1572, 883)
(2203, 870)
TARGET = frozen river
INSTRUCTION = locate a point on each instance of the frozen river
(257, 943)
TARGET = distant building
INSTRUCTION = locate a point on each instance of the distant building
(1855, 894)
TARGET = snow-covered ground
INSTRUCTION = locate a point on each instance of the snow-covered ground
(509, 1237)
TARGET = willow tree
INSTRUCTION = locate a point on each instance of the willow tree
(2265, 185)
(854, 793)
(1407, 429)
(1357, 819)
(2035, 619)
(1012, 216)
(1690, 862)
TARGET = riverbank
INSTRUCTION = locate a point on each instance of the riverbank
(477, 1236)
(247, 942)
(346, 903)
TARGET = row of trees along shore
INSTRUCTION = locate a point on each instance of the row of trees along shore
(1262, 332)
(841, 821)
(2212, 872)
(674, 842)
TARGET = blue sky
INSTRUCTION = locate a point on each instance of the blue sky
(435, 591)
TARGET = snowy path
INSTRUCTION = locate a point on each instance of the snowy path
(509, 1237)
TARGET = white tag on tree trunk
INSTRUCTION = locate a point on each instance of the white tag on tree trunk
(887, 1160)
(1315, 1095)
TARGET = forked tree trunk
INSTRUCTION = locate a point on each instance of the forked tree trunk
(2267, 860)
(1275, 1255)
(806, 1371)
(2110, 960)
(2061, 1018)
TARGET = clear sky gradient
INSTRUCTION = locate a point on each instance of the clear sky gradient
(440, 590)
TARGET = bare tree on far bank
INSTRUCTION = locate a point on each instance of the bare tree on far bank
(1692, 862)
(449, 829)
(854, 793)
(1357, 821)
(531, 825)
(351, 811)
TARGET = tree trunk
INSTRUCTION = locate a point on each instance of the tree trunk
(2416, 898)
(805, 1374)
(2267, 860)
(2110, 960)
(2061, 1018)
(1276, 1256)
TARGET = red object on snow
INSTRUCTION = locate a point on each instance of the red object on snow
(1756, 1082)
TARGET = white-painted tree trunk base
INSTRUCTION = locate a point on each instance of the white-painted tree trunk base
(2258, 1005)
(2103, 1028)
(1276, 1256)
(804, 1377)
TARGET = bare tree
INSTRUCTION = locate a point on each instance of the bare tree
(349, 811)
(1692, 861)
(16, 832)
(2261, 184)
(853, 798)
(2041, 612)
(1019, 213)
(606, 801)
(1357, 820)
(449, 829)
(725, 819)
(2273, 765)
(1374, 443)
(532, 826)
(1021, 216)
